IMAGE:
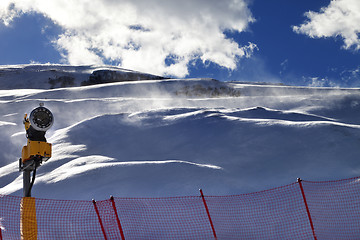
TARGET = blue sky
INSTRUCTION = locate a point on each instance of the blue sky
(313, 43)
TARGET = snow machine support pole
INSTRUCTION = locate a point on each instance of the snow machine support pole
(33, 154)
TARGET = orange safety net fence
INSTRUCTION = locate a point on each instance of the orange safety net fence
(301, 210)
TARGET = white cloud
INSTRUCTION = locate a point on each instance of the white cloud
(142, 34)
(339, 18)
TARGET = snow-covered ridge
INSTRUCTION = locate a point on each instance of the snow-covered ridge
(46, 76)
(169, 137)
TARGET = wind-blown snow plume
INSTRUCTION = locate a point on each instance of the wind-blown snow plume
(339, 18)
(157, 36)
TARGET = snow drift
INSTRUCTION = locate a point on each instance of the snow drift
(170, 137)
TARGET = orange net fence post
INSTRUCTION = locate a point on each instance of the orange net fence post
(99, 218)
(208, 213)
(334, 207)
(307, 208)
(117, 218)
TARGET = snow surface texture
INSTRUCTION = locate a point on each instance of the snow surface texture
(157, 138)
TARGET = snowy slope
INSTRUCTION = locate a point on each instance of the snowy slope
(170, 137)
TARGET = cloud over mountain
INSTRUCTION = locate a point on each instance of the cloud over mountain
(159, 37)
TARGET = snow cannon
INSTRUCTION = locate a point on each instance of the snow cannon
(40, 120)
(37, 149)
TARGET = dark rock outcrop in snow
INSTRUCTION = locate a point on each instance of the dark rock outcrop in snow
(109, 76)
